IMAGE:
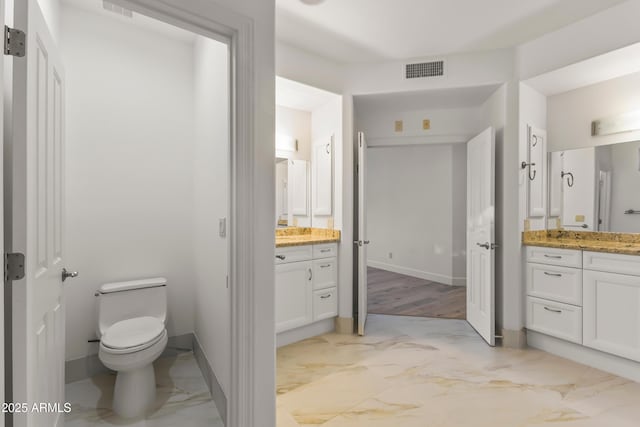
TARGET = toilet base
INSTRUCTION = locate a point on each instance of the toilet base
(134, 392)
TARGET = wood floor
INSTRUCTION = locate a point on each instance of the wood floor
(393, 293)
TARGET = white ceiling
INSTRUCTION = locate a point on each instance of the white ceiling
(299, 96)
(378, 30)
(139, 20)
(610, 65)
(426, 100)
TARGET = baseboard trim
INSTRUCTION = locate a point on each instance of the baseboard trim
(420, 274)
(302, 333)
(217, 394)
(625, 368)
(89, 366)
(514, 338)
(344, 325)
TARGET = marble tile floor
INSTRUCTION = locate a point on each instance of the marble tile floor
(419, 372)
(182, 398)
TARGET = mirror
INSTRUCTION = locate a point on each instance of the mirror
(596, 188)
(282, 193)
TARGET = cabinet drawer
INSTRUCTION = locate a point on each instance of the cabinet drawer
(562, 284)
(556, 319)
(325, 273)
(612, 263)
(552, 256)
(293, 254)
(326, 250)
(325, 304)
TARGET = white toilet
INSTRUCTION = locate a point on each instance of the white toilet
(131, 327)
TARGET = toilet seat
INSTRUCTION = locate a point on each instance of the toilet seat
(132, 335)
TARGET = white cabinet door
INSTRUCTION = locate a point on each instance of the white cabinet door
(536, 172)
(322, 182)
(611, 313)
(298, 187)
(555, 184)
(294, 295)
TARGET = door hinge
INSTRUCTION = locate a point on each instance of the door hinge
(14, 42)
(13, 266)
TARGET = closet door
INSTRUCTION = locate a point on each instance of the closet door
(536, 171)
(299, 187)
(322, 182)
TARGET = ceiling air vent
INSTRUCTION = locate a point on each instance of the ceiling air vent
(424, 69)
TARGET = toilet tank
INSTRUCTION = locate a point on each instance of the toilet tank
(135, 298)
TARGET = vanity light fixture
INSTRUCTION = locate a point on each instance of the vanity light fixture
(626, 122)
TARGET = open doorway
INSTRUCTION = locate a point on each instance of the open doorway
(122, 149)
(416, 193)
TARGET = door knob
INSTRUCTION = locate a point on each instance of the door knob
(484, 245)
(366, 242)
(66, 274)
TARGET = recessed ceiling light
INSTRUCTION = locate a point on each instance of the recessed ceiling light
(312, 2)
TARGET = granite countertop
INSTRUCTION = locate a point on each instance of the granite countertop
(300, 236)
(615, 243)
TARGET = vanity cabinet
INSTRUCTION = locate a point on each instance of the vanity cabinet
(554, 292)
(612, 311)
(596, 304)
(294, 300)
(306, 285)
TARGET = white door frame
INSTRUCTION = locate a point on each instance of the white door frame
(215, 21)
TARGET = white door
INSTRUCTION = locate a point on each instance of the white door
(38, 220)
(362, 240)
(2, 397)
(480, 234)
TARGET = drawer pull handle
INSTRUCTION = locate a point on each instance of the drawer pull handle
(325, 266)
(310, 274)
(281, 257)
(325, 250)
(553, 274)
(325, 296)
(552, 310)
(553, 256)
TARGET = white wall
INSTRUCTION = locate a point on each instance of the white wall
(211, 203)
(129, 162)
(608, 30)
(570, 114)
(448, 124)
(296, 124)
(410, 205)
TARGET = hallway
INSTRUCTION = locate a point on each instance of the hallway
(416, 372)
(397, 294)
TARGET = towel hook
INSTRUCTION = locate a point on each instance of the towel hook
(569, 176)
(524, 165)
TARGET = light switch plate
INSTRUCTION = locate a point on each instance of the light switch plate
(222, 227)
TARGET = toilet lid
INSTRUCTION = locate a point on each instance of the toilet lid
(132, 332)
